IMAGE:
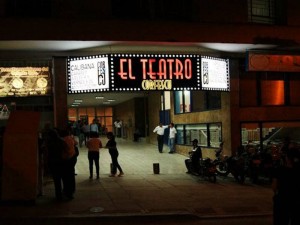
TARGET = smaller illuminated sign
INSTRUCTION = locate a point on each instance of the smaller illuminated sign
(214, 74)
(24, 81)
(154, 72)
(88, 74)
(273, 62)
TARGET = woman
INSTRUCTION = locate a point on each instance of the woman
(94, 144)
(113, 151)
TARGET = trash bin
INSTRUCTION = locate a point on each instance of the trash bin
(156, 168)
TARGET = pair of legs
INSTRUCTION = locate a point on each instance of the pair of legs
(93, 157)
(69, 177)
(171, 144)
(115, 164)
(160, 142)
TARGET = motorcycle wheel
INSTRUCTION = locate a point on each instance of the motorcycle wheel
(222, 169)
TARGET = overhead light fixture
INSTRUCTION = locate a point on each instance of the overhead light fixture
(76, 103)
(77, 100)
(99, 97)
(106, 102)
(111, 100)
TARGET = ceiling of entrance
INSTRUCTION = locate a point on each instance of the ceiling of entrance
(71, 48)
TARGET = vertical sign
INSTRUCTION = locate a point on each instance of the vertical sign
(88, 74)
(214, 74)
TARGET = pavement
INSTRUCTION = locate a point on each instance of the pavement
(140, 192)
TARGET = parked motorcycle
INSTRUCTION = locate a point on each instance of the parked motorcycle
(204, 168)
(236, 165)
(207, 169)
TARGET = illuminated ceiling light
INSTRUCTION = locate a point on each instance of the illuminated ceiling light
(99, 97)
(76, 103)
(77, 100)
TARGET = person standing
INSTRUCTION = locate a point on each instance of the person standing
(94, 127)
(56, 148)
(113, 151)
(286, 186)
(94, 144)
(160, 130)
(70, 157)
(86, 131)
(172, 136)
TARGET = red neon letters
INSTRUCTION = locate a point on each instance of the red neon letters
(166, 69)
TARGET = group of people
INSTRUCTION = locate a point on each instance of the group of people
(160, 131)
(94, 145)
(61, 150)
(82, 130)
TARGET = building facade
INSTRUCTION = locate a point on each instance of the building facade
(260, 101)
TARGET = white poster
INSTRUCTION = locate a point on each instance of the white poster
(88, 74)
(214, 74)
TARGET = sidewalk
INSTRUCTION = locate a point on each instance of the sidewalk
(140, 192)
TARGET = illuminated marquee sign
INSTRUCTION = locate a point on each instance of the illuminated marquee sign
(214, 74)
(149, 72)
(88, 74)
(273, 62)
(24, 81)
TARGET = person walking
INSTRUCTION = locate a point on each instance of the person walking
(172, 136)
(94, 144)
(86, 131)
(160, 130)
(113, 151)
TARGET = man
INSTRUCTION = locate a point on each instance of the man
(192, 164)
(94, 127)
(172, 136)
(160, 130)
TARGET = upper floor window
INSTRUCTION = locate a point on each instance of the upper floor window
(195, 101)
(267, 11)
(269, 89)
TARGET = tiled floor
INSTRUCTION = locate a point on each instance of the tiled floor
(141, 192)
(136, 158)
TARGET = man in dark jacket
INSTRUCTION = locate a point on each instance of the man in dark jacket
(193, 163)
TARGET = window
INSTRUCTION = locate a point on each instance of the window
(195, 101)
(272, 89)
(267, 11)
(261, 11)
(269, 89)
(103, 114)
(208, 135)
(270, 134)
